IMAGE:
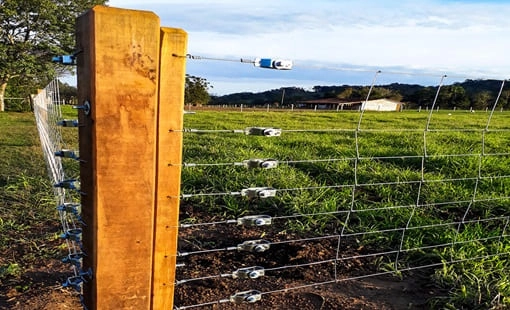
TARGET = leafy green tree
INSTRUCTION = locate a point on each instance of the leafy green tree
(361, 92)
(482, 100)
(68, 93)
(346, 94)
(458, 97)
(452, 96)
(383, 92)
(504, 100)
(424, 97)
(379, 92)
(31, 33)
(196, 90)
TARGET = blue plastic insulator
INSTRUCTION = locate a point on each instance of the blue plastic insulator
(64, 59)
(266, 63)
(74, 282)
(86, 274)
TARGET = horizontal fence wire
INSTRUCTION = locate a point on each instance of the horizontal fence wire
(340, 212)
(398, 229)
(239, 193)
(332, 130)
(361, 277)
(326, 160)
(473, 215)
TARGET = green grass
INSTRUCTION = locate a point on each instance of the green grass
(26, 202)
(384, 183)
(29, 225)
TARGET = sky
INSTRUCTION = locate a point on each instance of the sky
(334, 42)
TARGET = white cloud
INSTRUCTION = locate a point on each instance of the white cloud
(454, 36)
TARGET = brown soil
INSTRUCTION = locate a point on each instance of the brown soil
(39, 287)
(353, 290)
(385, 292)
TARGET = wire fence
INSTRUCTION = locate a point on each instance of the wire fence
(50, 125)
(273, 203)
(311, 199)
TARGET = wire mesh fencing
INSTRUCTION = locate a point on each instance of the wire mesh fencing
(276, 202)
(58, 154)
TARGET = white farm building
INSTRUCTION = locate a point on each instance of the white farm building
(335, 103)
(381, 105)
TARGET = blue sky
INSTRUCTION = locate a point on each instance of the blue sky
(339, 42)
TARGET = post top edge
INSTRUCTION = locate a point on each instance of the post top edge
(173, 30)
(116, 10)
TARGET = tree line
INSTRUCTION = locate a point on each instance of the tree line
(33, 31)
(470, 94)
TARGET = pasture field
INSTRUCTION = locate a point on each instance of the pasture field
(364, 184)
(331, 179)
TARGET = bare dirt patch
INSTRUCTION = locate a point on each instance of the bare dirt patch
(412, 291)
(39, 285)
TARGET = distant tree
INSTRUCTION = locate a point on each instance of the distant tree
(361, 92)
(424, 97)
(68, 93)
(504, 100)
(196, 90)
(481, 100)
(458, 97)
(443, 97)
(383, 92)
(31, 32)
(395, 95)
(379, 92)
(346, 94)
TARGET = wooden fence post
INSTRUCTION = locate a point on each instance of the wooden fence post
(128, 223)
(169, 159)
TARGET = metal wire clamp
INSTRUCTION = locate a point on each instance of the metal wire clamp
(71, 207)
(254, 246)
(246, 297)
(72, 234)
(254, 220)
(64, 59)
(74, 259)
(263, 131)
(74, 282)
(261, 163)
(258, 192)
(87, 274)
(248, 273)
(85, 107)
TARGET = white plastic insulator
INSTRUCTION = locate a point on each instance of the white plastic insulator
(257, 246)
(258, 192)
(269, 164)
(254, 220)
(263, 131)
(246, 297)
(269, 192)
(261, 163)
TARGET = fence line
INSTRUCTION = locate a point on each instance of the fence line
(138, 120)
(399, 248)
(49, 120)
